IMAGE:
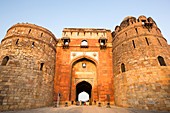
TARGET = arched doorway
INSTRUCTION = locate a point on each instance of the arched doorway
(83, 87)
(83, 78)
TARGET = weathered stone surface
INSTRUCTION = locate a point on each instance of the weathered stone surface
(22, 83)
(145, 83)
(121, 67)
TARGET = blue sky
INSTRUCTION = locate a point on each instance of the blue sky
(58, 14)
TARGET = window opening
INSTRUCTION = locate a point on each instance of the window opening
(41, 66)
(84, 43)
(147, 41)
(5, 61)
(161, 61)
(41, 34)
(17, 42)
(123, 67)
(83, 65)
(136, 30)
(143, 22)
(66, 42)
(133, 43)
(102, 43)
(159, 41)
(126, 34)
(33, 44)
(29, 31)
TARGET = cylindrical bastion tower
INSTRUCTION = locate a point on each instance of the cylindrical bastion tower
(27, 67)
(141, 65)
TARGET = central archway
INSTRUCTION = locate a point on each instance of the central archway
(83, 87)
(83, 78)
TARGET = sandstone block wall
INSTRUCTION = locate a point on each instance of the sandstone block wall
(143, 83)
(26, 81)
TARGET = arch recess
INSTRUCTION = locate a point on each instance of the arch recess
(83, 87)
(85, 57)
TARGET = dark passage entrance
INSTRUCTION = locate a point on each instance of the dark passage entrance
(83, 86)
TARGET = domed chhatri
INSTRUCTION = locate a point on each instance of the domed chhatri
(128, 67)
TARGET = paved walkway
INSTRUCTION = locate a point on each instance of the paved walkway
(84, 109)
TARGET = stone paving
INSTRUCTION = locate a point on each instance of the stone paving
(84, 109)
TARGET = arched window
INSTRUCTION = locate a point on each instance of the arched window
(161, 61)
(41, 66)
(123, 67)
(5, 61)
(84, 43)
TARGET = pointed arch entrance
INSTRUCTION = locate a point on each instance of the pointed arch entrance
(83, 78)
(83, 87)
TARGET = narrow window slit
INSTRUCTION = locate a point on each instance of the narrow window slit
(133, 43)
(29, 31)
(41, 34)
(123, 67)
(136, 30)
(147, 41)
(17, 42)
(159, 41)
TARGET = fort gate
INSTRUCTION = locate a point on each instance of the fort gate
(129, 67)
(84, 64)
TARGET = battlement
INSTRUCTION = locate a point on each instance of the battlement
(29, 25)
(25, 31)
(84, 32)
(131, 21)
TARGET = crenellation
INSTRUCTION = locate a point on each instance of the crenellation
(84, 33)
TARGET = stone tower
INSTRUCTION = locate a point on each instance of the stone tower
(141, 65)
(27, 59)
(84, 63)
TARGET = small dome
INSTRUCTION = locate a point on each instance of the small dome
(142, 16)
(126, 18)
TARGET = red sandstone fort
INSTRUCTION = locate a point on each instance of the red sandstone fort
(127, 67)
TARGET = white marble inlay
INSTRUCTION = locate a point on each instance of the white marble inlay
(93, 55)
